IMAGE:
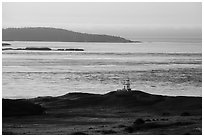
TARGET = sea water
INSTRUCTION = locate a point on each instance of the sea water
(166, 68)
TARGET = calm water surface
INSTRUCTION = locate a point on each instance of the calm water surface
(159, 68)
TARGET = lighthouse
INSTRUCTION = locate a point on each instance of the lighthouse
(126, 85)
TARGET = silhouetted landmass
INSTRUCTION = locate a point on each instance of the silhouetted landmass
(42, 49)
(116, 99)
(56, 35)
(8, 49)
(20, 107)
(6, 44)
(123, 99)
(37, 48)
(117, 112)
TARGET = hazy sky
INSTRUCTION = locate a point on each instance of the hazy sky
(130, 20)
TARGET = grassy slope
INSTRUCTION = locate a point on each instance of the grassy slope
(111, 113)
(129, 100)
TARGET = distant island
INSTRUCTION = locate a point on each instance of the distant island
(6, 44)
(56, 35)
(43, 49)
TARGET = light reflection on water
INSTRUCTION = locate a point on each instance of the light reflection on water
(160, 68)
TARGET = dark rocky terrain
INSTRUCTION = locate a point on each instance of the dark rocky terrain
(133, 112)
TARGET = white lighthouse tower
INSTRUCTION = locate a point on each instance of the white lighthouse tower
(126, 85)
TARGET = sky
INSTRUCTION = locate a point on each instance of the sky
(133, 20)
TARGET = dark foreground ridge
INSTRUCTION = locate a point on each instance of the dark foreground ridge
(20, 107)
(125, 99)
(117, 112)
(56, 35)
